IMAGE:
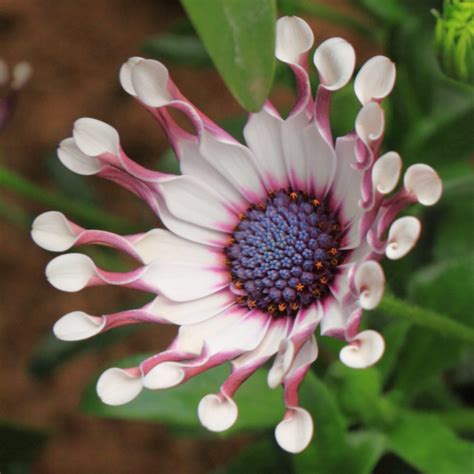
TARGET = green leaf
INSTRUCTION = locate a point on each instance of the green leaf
(332, 449)
(240, 38)
(259, 407)
(428, 445)
(178, 49)
(445, 287)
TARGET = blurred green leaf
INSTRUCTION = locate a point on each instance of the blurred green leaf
(390, 11)
(445, 287)
(178, 49)
(425, 443)
(332, 449)
(259, 407)
(453, 220)
(19, 447)
(50, 352)
(230, 31)
(329, 448)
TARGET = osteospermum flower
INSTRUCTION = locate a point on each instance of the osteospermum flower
(264, 242)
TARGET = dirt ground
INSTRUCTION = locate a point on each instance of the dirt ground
(76, 48)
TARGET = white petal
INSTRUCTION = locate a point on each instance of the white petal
(423, 181)
(183, 282)
(386, 172)
(187, 230)
(193, 163)
(125, 74)
(117, 387)
(192, 312)
(244, 335)
(320, 160)
(217, 413)
(51, 231)
(334, 319)
(74, 159)
(375, 79)
(364, 350)
(191, 337)
(294, 433)
(263, 136)
(370, 122)
(70, 272)
(369, 280)
(293, 38)
(236, 163)
(402, 237)
(193, 201)
(77, 325)
(164, 375)
(167, 247)
(150, 82)
(347, 185)
(94, 137)
(335, 61)
(281, 364)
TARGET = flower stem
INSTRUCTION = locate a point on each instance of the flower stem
(458, 419)
(426, 318)
(75, 208)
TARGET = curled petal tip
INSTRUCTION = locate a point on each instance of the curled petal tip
(125, 74)
(295, 431)
(217, 412)
(51, 231)
(335, 61)
(386, 172)
(364, 350)
(70, 272)
(77, 325)
(294, 37)
(118, 386)
(422, 181)
(149, 79)
(73, 158)
(375, 79)
(94, 137)
(402, 237)
(369, 280)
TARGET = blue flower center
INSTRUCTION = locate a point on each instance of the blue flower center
(284, 253)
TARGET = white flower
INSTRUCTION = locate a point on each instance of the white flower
(264, 241)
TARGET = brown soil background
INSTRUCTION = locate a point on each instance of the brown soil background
(76, 48)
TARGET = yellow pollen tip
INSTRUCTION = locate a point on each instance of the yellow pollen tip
(242, 216)
(240, 299)
(294, 306)
(319, 265)
(332, 251)
(334, 262)
(299, 287)
(282, 307)
(293, 196)
(239, 285)
(271, 308)
(323, 280)
(316, 202)
(252, 303)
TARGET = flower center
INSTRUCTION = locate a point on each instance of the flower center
(284, 253)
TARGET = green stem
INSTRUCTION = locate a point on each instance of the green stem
(74, 208)
(334, 16)
(426, 318)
